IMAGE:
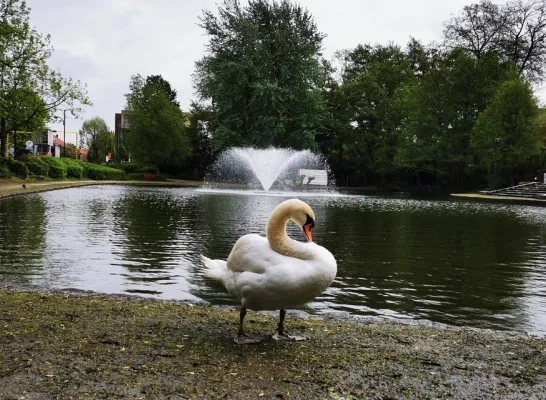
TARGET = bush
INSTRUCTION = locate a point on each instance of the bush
(102, 173)
(18, 168)
(57, 168)
(130, 168)
(36, 166)
(127, 167)
(74, 168)
(4, 172)
(139, 176)
(147, 170)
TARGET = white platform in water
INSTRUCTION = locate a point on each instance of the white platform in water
(290, 193)
(320, 177)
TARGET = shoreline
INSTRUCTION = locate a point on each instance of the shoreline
(84, 344)
(11, 190)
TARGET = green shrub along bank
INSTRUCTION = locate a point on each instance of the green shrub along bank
(136, 168)
(141, 176)
(74, 168)
(57, 168)
(9, 167)
(101, 173)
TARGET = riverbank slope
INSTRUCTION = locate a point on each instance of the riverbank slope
(14, 187)
(62, 344)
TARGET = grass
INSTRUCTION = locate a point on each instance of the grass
(80, 345)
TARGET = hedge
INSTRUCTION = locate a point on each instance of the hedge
(36, 165)
(4, 170)
(139, 176)
(131, 168)
(101, 173)
(9, 166)
(57, 168)
(74, 168)
(18, 168)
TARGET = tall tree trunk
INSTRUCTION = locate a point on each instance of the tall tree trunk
(3, 138)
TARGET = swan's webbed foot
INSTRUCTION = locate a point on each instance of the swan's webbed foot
(280, 334)
(243, 338)
(286, 337)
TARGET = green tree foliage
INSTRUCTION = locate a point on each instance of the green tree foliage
(263, 75)
(97, 138)
(362, 135)
(440, 110)
(419, 114)
(30, 91)
(200, 139)
(507, 132)
(157, 133)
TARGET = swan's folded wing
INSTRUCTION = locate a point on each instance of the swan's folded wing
(251, 253)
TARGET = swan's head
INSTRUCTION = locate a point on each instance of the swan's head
(302, 214)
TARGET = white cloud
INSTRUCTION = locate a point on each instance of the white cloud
(104, 42)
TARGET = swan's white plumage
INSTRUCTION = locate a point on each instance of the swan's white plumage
(263, 279)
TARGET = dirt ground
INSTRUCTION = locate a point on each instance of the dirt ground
(66, 344)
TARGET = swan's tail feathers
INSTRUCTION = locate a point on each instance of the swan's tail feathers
(215, 269)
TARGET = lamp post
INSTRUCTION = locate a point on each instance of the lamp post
(64, 133)
(542, 150)
(497, 141)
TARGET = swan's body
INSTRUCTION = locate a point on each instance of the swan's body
(276, 272)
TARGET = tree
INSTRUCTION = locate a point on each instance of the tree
(440, 110)
(157, 133)
(159, 82)
(199, 137)
(506, 134)
(25, 111)
(362, 133)
(263, 75)
(516, 32)
(97, 138)
(25, 75)
(71, 151)
(101, 146)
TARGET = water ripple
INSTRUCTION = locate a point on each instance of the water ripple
(454, 262)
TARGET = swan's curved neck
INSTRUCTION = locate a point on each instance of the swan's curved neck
(278, 238)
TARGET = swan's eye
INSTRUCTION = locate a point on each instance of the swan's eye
(309, 221)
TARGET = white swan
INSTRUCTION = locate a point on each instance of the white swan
(275, 273)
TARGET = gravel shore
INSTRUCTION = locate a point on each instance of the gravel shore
(70, 344)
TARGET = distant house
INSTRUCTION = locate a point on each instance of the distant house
(83, 153)
(48, 144)
(57, 141)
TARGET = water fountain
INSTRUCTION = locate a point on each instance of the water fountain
(272, 168)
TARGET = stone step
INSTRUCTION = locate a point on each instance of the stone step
(532, 190)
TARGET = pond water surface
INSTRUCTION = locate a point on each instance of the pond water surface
(460, 263)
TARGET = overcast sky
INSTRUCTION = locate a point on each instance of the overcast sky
(104, 42)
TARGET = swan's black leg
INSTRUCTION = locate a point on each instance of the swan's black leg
(242, 337)
(280, 325)
(280, 334)
(242, 315)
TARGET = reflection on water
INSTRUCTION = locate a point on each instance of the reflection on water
(459, 263)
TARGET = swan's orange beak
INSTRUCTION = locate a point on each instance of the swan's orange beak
(307, 229)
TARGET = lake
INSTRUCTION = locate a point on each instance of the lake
(454, 262)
